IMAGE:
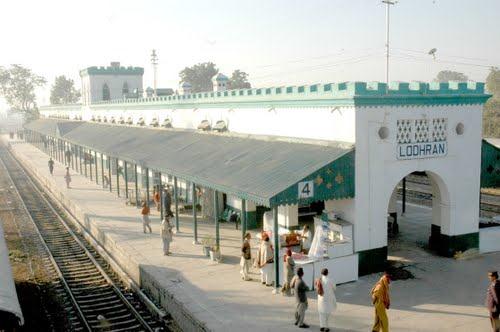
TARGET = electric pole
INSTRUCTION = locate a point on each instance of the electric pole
(388, 4)
(154, 62)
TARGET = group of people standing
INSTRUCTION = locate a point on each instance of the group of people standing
(166, 228)
(265, 262)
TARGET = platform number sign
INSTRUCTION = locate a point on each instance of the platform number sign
(306, 189)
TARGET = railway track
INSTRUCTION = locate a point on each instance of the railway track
(96, 300)
(419, 191)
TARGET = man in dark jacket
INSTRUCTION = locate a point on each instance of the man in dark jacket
(301, 289)
(167, 202)
(492, 300)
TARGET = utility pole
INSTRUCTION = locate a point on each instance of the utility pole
(154, 62)
(388, 4)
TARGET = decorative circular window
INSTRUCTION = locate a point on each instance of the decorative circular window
(460, 128)
(383, 132)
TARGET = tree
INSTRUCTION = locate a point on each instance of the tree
(17, 86)
(449, 75)
(239, 80)
(63, 91)
(491, 114)
(199, 76)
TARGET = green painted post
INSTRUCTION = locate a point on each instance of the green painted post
(161, 196)
(117, 178)
(147, 186)
(216, 218)
(243, 218)
(80, 157)
(102, 169)
(85, 161)
(125, 165)
(176, 198)
(90, 163)
(108, 159)
(96, 168)
(136, 188)
(276, 250)
(195, 221)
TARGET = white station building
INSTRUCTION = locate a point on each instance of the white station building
(383, 134)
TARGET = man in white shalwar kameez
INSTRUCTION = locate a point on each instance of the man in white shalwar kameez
(265, 261)
(327, 303)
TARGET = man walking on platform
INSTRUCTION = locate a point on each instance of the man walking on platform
(51, 166)
(166, 235)
(382, 302)
(493, 300)
(301, 289)
(167, 202)
(145, 217)
(67, 177)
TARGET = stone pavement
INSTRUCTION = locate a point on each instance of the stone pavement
(445, 295)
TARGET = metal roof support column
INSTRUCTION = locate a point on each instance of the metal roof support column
(80, 157)
(176, 198)
(96, 168)
(136, 188)
(276, 250)
(85, 160)
(195, 221)
(243, 218)
(72, 149)
(147, 186)
(102, 170)
(125, 166)
(90, 163)
(117, 177)
(108, 159)
(216, 218)
(161, 196)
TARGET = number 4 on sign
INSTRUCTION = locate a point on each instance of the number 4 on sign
(306, 189)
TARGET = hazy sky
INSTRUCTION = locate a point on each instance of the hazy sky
(278, 42)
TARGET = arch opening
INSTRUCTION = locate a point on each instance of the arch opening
(418, 209)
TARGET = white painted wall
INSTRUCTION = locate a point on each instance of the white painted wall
(345, 208)
(311, 122)
(489, 239)
(378, 170)
(92, 86)
(288, 215)
(235, 202)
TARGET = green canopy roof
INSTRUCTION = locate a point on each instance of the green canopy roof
(269, 172)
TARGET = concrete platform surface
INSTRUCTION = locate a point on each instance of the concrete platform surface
(445, 295)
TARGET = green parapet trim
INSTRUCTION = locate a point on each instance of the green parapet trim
(112, 71)
(372, 261)
(251, 217)
(333, 181)
(330, 94)
(448, 245)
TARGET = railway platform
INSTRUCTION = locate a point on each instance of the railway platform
(203, 295)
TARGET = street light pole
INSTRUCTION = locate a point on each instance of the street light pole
(154, 62)
(388, 3)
